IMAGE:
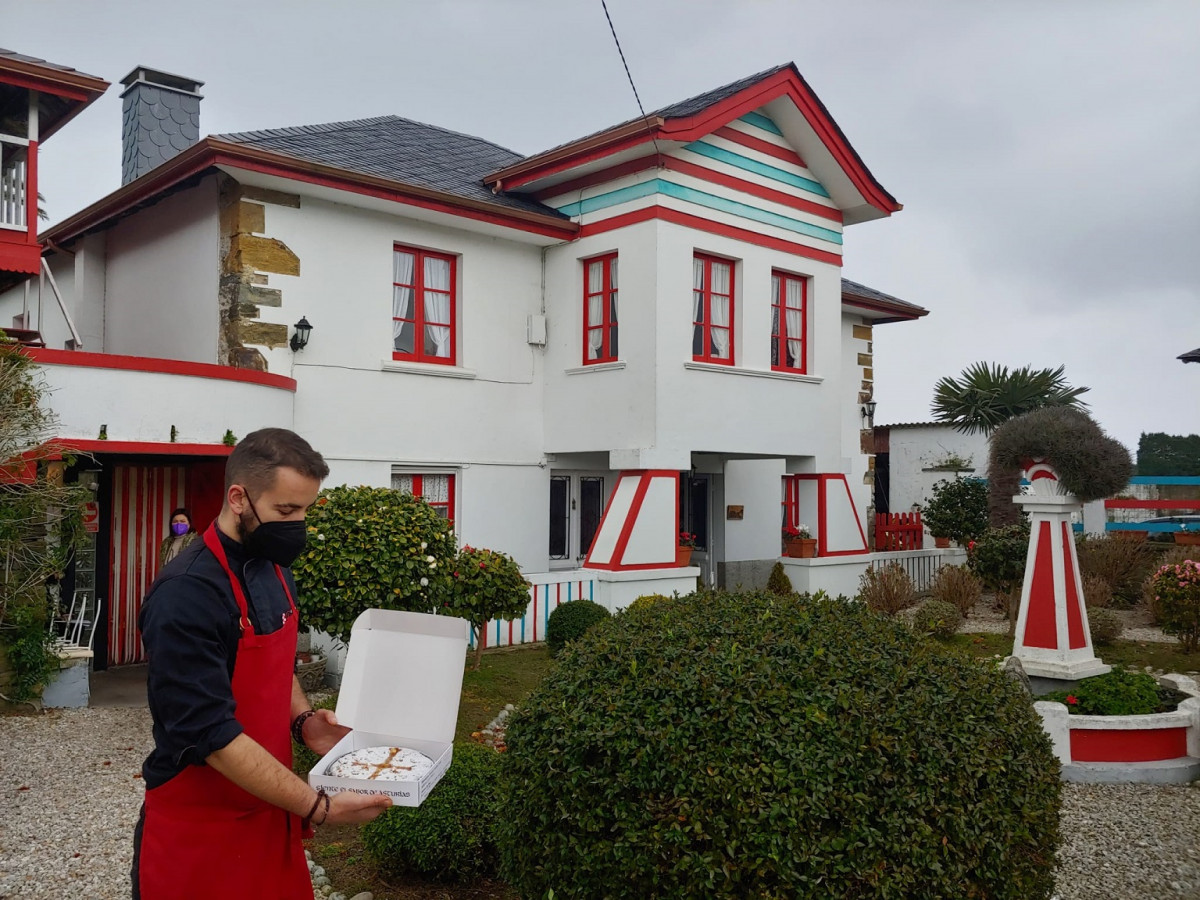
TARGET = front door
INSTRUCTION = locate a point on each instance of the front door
(695, 517)
(576, 508)
(142, 500)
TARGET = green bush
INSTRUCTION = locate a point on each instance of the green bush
(646, 600)
(778, 582)
(1115, 693)
(887, 589)
(1089, 464)
(942, 620)
(449, 837)
(957, 510)
(304, 759)
(569, 621)
(998, 557)
(1104, 625)
(371, 548)
(1173, 556)
(1123, 563)
(958, 586)
(487, 585)
(755, 745)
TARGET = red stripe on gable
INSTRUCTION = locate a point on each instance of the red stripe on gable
(674, 216)
(609, 174)
(787, 154)
(684, 167)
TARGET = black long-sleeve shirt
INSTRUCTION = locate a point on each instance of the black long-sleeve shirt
(189, 625)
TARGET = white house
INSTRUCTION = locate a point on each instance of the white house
(574, 355)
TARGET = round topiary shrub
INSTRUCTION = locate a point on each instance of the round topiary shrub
(449, 837)
(1104, 624)
(753, 745)
(938, 618)
(647, 599)
(569, 621)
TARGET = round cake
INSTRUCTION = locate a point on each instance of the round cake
(381, 764)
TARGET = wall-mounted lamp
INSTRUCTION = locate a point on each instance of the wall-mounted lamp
(300, 338)
(868, 413)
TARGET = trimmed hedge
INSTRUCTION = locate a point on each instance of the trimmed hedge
(755, 745)
(1104, 625)
(569, 621)
(449, 837)
(938, 618)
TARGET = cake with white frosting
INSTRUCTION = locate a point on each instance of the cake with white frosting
(381, 764)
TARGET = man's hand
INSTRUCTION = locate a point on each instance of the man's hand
(349, 808)
(322, 732)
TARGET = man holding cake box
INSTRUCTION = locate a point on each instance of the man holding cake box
(224, 814)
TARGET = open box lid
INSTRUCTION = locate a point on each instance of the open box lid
(403, 674)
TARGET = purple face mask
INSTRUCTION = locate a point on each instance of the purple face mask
(179, 527)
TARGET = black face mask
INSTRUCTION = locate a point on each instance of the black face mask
(277, 542)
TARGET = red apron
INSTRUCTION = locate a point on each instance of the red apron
(203, 835)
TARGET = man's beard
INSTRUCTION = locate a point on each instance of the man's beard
(242, 526)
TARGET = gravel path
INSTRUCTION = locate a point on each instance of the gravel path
(71, 787)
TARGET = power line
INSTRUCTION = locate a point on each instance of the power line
(628, 75)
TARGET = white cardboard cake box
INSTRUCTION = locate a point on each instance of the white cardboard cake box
(400, 688)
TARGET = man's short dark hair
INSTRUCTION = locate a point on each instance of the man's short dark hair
(257, 456)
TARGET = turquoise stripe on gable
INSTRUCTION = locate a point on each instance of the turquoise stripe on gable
(612, 198)
(720, 154)
(745, 211)
(701, 198)
(758, 120)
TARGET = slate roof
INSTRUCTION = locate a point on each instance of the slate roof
(400, 150)
(866, 293)
(34, 61)
(1194, 356)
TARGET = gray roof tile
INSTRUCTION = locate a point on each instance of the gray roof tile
(33, 60)
(400, 150)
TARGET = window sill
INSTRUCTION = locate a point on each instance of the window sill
(596, 367)
(753, 373)
(412, 368)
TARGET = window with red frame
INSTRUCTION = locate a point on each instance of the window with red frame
(789, 328)
(436, 490)
(600, 309)
(423, 288)
(712, 310)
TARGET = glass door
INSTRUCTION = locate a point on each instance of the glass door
(576, 507)
(695, 517)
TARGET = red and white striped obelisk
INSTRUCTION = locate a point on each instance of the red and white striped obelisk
(1052, 640)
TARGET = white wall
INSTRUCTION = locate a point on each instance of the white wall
(915, 449)
(756, 486)
(162, 279)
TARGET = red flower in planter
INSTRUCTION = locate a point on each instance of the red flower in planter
(1072, 699)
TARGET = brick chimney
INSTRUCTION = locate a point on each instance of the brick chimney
(160, 118)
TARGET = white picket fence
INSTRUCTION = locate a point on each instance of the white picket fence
(547, 590)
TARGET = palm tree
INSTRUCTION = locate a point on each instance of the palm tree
(986, 395)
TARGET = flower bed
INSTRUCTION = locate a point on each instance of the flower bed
(1156, 748)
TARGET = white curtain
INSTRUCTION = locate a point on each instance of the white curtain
(720, 310)
(697, 300)
(402, 275)
(595, 318)
(436, 488)
(402, 483)
(437, 305)
(795, 322)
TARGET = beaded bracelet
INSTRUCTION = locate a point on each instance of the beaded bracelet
(298, 726)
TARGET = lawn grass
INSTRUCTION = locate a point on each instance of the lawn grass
(1131, 654)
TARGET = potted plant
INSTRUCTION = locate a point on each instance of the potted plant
(683, 553)
(798, 542)
(958, 511)
(1188, 535)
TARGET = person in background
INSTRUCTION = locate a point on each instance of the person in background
(182, 534)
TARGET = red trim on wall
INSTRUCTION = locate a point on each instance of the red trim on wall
(780, 336)
(417, 307)
(49, 86)
(1141, 745)
(48, 357)
(707, 352)
(31, 194)
(1075, 634)
(62, 446)
(686, 167)
(644, 476)
(1151, 504)
(823, 481)
(687, 220)
(19, 257)
(787, 154)
(1041, 629)
(608, 326)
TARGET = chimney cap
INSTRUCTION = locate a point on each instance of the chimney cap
(159, 78)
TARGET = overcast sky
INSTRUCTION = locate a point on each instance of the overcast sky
(1046, 153)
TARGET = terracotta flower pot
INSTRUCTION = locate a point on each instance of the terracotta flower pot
(683, 555)
(801, 548)
(1187, 538)
(942, 543)
(1132, 535)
